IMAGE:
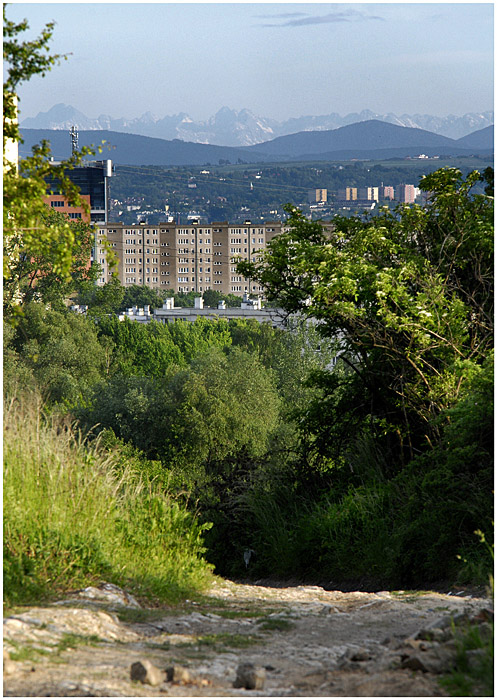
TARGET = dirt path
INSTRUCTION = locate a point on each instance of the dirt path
(310, 642)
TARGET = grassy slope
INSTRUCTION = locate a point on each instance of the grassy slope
(73, 516)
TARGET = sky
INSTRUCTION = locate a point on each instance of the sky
(279, 60)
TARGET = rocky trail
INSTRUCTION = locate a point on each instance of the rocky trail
(239, 640)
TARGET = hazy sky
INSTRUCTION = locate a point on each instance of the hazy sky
(279, 60)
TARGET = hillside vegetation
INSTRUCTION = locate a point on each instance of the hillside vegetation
(77, 514)
(239, 192)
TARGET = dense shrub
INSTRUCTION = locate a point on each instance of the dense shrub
(59, 349)
(411, 529)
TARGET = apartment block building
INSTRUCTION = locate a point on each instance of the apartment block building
(406, 193)
(183, 257)
(317, 195)
(348, 194)
(387, 192)
(369, 193)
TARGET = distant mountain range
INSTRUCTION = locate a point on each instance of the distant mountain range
(230, 128)
(365, 140)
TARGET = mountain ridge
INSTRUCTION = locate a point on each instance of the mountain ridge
(230, 128)
(364, 140)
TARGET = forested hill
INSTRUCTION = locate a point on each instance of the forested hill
(369, 136)
(479, 139)
(365, 140)
(131, 149)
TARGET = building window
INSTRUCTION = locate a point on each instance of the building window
(57, 204)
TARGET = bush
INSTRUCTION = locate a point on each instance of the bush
(59, 349)
(409, 527)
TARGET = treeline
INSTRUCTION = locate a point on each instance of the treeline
(113, 298)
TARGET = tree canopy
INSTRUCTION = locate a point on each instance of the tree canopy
(409, 295)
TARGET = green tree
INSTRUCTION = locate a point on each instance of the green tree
(223, 407)
(212, 297)
(141, 296)
(60, 350)
(149, 349)
(292, 354)
(196, 338)
(39, 277)
(27, 233)
(141, 350)
(205, 422)
(101, 300)
(409, 297)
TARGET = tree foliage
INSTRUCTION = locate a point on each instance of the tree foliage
(27, 233)
(60, 350)
(38, 276)
(408, 294)
(202, 421)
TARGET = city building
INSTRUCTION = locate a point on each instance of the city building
(317, 195)
(92, 179)
(59, 203)
(169, 313)
(354, 204)
(388, 192)
(371, 194)
(183, 257)
(349, 194)
(406, 193)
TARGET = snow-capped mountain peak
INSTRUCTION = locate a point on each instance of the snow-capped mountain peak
(231, 128)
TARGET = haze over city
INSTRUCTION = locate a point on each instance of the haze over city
(279, 60)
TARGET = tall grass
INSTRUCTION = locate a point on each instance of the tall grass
(73, 515)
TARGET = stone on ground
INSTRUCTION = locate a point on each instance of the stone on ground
(145, 672)
(250, 677)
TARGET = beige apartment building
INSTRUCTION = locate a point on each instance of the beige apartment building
(372, 194)
(183, 257)
(348, 194)
(317, 195)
